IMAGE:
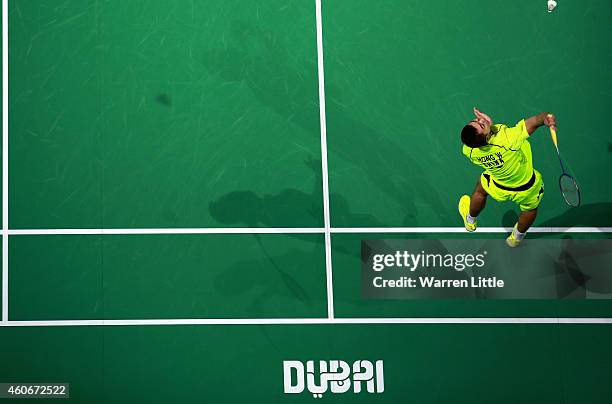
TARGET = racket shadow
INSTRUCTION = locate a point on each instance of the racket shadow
(596, 215)
(573, 281)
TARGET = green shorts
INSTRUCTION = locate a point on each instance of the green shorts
(528, 199)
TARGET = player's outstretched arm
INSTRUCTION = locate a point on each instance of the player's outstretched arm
(544, 118)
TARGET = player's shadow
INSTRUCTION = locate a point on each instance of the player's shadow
(509, 218)
(288, 208)
(257, 57)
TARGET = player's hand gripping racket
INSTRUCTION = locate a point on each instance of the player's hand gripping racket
(567, 183)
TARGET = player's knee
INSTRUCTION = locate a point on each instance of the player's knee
(529, 212)
(481, 193)
(479, 190)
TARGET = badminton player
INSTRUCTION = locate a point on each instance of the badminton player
(505, 154)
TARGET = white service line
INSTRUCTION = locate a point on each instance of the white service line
(5, 143)
(299, 230)
(462, 230)
(312, 321)
(323, 122)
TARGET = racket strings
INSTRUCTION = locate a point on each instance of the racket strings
(569, 190)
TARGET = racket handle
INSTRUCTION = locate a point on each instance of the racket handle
(553, 135)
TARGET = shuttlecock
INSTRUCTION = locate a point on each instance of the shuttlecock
(551, 5)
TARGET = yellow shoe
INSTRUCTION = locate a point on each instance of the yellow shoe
(464, 209)
(511, 240)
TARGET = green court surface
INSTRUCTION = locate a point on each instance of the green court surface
(425, 364)
(170, 176)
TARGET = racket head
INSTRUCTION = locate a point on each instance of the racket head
(569, 190)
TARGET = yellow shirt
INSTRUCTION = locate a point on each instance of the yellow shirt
(507, 157)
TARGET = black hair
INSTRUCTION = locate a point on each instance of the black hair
(471, 138)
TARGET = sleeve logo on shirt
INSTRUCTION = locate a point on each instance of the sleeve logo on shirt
(491, 160)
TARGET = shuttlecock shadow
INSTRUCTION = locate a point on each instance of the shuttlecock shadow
(164, 99)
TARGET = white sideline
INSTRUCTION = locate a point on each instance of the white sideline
(312, 321)
(5, 118)
(298, 230)
(323, 122)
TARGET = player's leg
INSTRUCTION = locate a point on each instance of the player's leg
(478, 199)
(528, 201)
(526, 219)
(470, 207)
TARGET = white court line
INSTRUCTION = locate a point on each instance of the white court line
(188, 230)
(323, 122)
(299, 230)
(5, 200)
(327, 231)
(462, 230)
(313, 321)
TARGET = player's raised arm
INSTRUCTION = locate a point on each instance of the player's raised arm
(544, 118)
(482, 116)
